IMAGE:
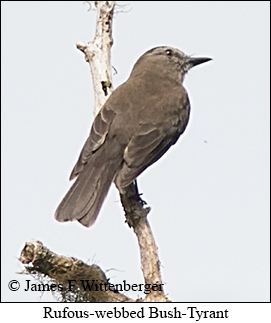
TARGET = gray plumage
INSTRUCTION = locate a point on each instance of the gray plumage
(139, 122)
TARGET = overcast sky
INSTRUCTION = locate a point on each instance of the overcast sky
(209, 194)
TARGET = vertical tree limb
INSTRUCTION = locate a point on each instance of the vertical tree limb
(136, 217)
(97, 53)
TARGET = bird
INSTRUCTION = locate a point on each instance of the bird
(138, 123)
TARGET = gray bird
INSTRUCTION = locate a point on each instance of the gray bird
(138, 123)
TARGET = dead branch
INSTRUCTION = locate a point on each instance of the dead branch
(97, 53)
(68, 273)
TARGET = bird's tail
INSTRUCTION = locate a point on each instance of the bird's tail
(85, 198)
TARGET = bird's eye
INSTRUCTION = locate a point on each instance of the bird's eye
(169, 52)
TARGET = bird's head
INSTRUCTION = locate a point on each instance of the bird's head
(168, 60)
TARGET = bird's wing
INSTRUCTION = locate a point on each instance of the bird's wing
(144, 149)
(97, 136)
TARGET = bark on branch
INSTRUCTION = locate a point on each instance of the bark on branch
(136, 217)
(98, 53)
(68, 273)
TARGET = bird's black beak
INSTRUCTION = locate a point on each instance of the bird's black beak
(193, 61)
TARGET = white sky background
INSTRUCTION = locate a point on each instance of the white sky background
(209, 194)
